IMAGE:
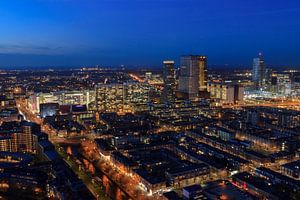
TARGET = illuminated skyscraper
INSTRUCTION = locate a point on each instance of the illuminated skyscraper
(169, 81)
(259, 71)
(193, 75)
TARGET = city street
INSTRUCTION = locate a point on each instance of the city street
(128, 183)
(94, 188)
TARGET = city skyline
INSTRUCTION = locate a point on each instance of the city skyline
(149, 100)
(143, 33)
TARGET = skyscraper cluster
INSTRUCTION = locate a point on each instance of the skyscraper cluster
(276, 83)
(192, 77)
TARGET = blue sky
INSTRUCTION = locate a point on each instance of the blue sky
(145, 32)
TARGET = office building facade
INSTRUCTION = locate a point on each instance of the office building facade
(109, 97)
(126, 97)
(62, 98)
(193, 76)
(226, 93)
(169, 81)
(259, 71)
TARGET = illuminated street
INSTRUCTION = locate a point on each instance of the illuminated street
(128, 183)
(149, 100)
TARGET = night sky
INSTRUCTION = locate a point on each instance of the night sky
(145, 32)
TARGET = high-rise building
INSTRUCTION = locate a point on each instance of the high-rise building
(126, 97)
(21, 137)
(226, 93)
(109, 97)
(259, 71)
(25, 139)
(284, 84)
(281, 84)
(193, 75)
(5, 143)
(169, 81)
(268, 77)
(136, 96)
